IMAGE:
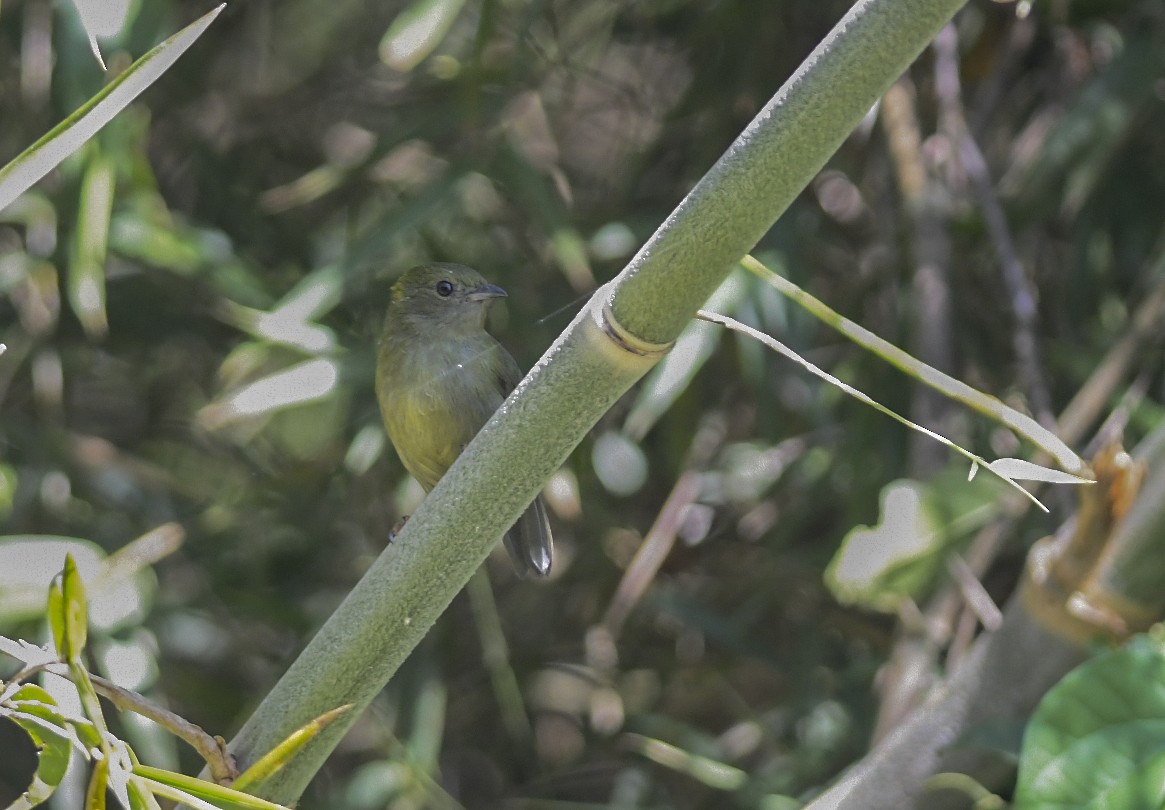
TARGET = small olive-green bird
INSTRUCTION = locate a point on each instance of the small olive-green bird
(440, 376)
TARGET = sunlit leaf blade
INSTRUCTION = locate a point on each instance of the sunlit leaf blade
(306, 382)
(785, 351)
(281, 754)
(205, 791)
(65, 138)
(54, 748)
(289, 322)
(1019, 470)
(101, 18)
(416, 31)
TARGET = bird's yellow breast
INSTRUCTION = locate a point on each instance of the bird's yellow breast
(434, 398)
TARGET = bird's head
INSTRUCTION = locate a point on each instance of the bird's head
(442, 295)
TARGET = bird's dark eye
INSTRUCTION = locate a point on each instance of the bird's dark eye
(444, 288)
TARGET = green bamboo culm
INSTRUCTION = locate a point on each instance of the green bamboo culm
(615, 339)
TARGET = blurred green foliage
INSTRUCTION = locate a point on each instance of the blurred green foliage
(207, 357)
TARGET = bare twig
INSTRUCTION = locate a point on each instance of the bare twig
(1020, 292)
(211, 748)
(652, 552)
(1146, 327)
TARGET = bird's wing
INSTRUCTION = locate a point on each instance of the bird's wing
(509, 374)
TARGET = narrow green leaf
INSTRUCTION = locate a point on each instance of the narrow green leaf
(948, 386)
(141, 797)
(56, 616)
(785, 351)
(1019, 470)
(75, 611)
(206, 791)
(87, 269)
(281, 754)
(95, 794)
(180, 797)
(65, 138)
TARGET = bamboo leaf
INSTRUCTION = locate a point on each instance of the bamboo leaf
(1019, 470)
(68, 136)
(87, 270)
(945, 384)
(281, 754)
(203, 790)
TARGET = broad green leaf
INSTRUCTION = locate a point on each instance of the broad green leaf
(416, 31)
(68, 136)
(54, 745)
(1097, 738)
(34, 705)
(906, 552)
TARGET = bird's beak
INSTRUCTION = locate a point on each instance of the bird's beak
(486, 293)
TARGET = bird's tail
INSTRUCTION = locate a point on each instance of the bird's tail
(529, 542)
